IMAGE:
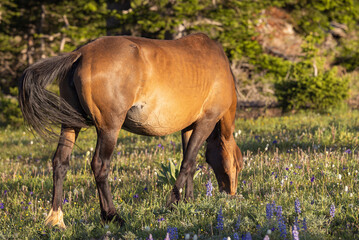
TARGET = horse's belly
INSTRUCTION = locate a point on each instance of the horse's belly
(146, 120)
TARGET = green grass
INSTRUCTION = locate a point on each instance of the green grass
(303, 156)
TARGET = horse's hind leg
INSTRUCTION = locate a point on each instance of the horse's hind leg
(60, 164)
(100, 164)
(186, 135)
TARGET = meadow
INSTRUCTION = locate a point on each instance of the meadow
(300, 171)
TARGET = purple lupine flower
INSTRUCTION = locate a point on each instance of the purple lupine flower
(269, 211)
(65, 201)
(281, 224)
(275, 142)
(238, 223)
(348, 151)
(135, 196)
(235, 236)
(5, 192)
(248, 236)
(2, 206)
(296, 222)
(220, 220)
(160, 219)
(209, 187)
(29, 203)
(295, 233)
(305, 224)
(173, 233)
(332, 210)
(297, 206)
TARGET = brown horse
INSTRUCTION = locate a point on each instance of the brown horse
(148, 87)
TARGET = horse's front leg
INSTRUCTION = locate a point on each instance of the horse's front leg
(200, 133)
(60, 164)
(100, 164)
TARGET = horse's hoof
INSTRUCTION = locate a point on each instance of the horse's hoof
(113, 218)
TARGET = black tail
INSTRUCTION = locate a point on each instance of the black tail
(41, 108)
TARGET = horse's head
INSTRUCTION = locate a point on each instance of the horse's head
(226, 159)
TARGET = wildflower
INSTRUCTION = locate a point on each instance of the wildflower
(65, 201)
(145, 189)
(295, 233)
(209, 187)
(275, 142)
(281, 224)
(167, 236)
(5, 192)
(187, 236)
(297, 206)
(160, 219)
(150, 237)
(235, 236)
(29, 203)
(238, 223)
(2, 206)
(220, 220)
(346, 188)
(312, 179)
(135, 196)
(31, 193)
(339, 176)
(269, 211)
(173, 232)
(305, 224)
(266, 237)
(332, 210)
(248, 236)
(348, 151)
(195, 237)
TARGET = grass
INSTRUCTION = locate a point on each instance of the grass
(307, 157)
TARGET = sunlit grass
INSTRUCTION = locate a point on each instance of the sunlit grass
(310, 157)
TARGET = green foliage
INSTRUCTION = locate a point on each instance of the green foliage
(9, 110)
(308, 85)
(169, 173)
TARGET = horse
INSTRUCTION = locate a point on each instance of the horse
(145, 86)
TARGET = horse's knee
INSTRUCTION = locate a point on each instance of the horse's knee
(100, 170)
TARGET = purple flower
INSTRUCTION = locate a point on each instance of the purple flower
(160, 219)
(167, 236)
(5, 192)
(2, 206)
(332, 210)
(150, 237)
(248, 236)
(281, 224)
(145, 189)
(291, 182)
(305, 224)
(220, 220)
(235, 236)
(348, 151)
(31, 193)
(269, 211)
(65, 201)
(295, 233)
(173, 232)
(244, 182)
(29, 203)
(297, 206)
(209, 187)
(238, 223)
(312, 179)
(135, 196)
(287, 169)
(275, 142)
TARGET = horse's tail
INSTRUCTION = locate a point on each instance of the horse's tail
(41, 108)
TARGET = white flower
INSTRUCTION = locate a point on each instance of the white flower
(339, 176)
(187, 236)
(351, 194)
(31, 142)
(346, 188)
(269, 232)
(91, 149)
(195, 237)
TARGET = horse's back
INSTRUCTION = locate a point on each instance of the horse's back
(162, 85)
